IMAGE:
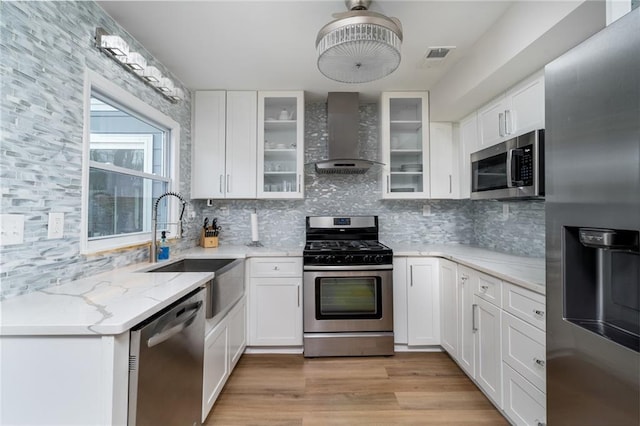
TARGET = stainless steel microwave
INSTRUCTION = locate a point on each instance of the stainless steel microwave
(509, 170)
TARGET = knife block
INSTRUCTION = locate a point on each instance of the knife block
(208, 242)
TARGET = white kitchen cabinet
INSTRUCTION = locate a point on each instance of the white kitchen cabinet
(524, 404)
(491, 122)
(237, 326)
(404, 139)
(423, 302)
(275, 302)
(468, 145)
(223, 346)
(467, 282)
(64, 380)
(523, 348)
(224, 144)
(441, 161)
(216, 365)
(448, 276)
(488, 357)
(518, 111)
(281, 145)
(524, 304)
(416, 301)
(400, 318)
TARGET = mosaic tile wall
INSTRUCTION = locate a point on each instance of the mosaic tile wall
(45, 47)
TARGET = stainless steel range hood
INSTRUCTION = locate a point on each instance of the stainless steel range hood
(343, 121)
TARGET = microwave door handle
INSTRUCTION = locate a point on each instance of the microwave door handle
(511, 167)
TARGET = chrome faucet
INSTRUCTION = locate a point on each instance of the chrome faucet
(153, 257)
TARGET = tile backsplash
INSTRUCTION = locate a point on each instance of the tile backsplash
(45, 49)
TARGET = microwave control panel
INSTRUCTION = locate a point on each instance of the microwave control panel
(526, 166)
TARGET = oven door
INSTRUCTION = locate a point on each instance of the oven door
(348, 301)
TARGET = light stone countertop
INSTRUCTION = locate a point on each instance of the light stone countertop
(113, 302)
(527, 272)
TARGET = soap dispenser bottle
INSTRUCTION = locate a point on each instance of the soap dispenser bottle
(163, 249)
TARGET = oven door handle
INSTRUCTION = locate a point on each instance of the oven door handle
(347, 268)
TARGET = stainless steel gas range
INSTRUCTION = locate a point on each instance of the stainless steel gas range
(347, 288)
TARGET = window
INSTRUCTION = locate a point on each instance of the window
(130, 154)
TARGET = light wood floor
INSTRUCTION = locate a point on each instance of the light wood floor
(405, 389)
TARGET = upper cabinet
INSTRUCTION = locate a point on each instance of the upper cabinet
(518, 111)
(468, 145)
(442, 172)
(404, 124)
(224, 145)
(281, 144)
(248, 145)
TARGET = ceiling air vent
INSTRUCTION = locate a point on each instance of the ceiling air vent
(438, 53)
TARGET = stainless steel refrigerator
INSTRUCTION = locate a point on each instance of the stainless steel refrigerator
(592, 226)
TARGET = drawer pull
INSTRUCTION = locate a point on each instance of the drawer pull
(538, 312)
(540, 362)
(484, 288)
(539, 423)
(276, 268)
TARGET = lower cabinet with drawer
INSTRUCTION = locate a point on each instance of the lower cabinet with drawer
(523, 356)
(500, 341)
(275, 302)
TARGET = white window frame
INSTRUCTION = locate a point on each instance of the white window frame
(94, 81)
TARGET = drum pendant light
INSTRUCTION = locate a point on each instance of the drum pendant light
(360, 46)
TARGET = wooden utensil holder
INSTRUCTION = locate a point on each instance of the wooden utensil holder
(208, 242)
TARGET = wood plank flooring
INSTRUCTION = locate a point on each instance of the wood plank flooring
(405, 389)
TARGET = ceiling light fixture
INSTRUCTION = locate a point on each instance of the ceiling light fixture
(359, 46)
(116, 48)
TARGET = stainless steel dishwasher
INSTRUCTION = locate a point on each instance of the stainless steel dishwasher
(166, 364)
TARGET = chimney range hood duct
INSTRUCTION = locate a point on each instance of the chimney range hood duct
(343, 121)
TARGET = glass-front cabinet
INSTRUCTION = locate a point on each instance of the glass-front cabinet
(281, 144)
(404, 124)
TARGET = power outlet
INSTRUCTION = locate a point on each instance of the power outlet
(56, 225)
(11, 229)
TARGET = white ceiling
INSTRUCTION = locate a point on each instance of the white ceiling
(270, 45)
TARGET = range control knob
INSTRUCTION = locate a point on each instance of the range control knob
(377, 258)
(348, 258)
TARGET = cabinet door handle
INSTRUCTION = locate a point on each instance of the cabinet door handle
(228, 183)
(483, 288)
(410, 275)
(538, 361)
(276, 268)
(299, 183)
(507, 122)
(450, 185)
(388, 184)
(474, 308)
(501, 124)
(221, 184)
(539, 423)
(464, 278)
(298, 295)
(538, 312)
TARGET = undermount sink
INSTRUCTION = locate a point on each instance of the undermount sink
(194, 265)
